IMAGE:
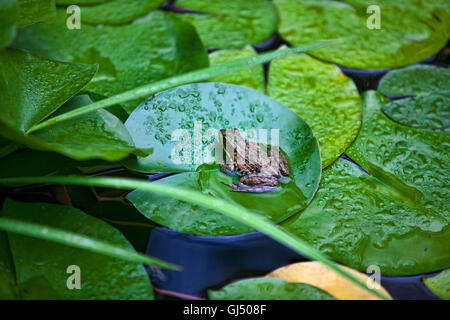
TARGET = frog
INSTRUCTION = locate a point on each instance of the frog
(252, 162)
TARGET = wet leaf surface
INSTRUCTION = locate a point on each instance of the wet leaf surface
(268, 289)
(231, 24)
(101, 277)
(128, 55)
(32, 11)
(397, 217)
(424, 93)
(420, 33)
(117, 11)
(48, 84)
(250, 77)
(218, 106)
(321, 95)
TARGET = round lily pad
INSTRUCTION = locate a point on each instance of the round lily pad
(206, 108)
(323, 96)
(232, 23)
(394, 215)
(268, 289)
(422, 96)
(420, 33)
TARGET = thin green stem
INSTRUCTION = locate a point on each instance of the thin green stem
(236, 212)
(190, 77)
(79, 241)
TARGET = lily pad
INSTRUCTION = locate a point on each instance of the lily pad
(9, 10)
(321, 95)
(440, 284)
(424, 96)
(251, 77)
(268, 289)
(32, 11)
(48, 85)
(129, 55)
(420, 33)
(218, 106)
(318, 275)
(232, 23)
(397, 215)
(41, 266)
(116, 11)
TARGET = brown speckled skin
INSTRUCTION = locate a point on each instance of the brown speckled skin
(259, 172)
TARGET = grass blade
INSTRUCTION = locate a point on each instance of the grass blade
(79, 241)
(236, 212)
(190, 77)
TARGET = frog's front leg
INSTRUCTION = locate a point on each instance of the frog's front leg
(255, 183)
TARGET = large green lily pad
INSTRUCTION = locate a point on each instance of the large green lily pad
(218, 106)
(395, 217)
(48, 85)
(116, 11)
(268, 289)
(232, 23)
(421, 32)
(129, 55)
(250, 77)
(41, 266)
(32, 11)
(424, 93)
(321, 95)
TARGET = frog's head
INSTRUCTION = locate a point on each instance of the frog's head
(229, 139)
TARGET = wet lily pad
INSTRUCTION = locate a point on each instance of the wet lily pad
(395, 217)
(48, 85)
(422, 96)
(440, 284)
(232, 23)
(321, 95)
(41, 266)
(420, 33)
(218, 106)
(32, 11)
(116, 11)
(268, 289)
(128, 56)
(251, 77)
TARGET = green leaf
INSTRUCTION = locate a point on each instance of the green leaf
(249, 77)
(397, 216)
(33, 162)
(420, 33)
(425, 96)
(215, 106)
(440, 284)
(231, 24)
(116, 11)
(189, 77)
(8, 14)
(156, 48)
(48, 85)
(41, 266)
(32, 11)
(231, 210)
(321, 95)
(268, 289)
(7, 273)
